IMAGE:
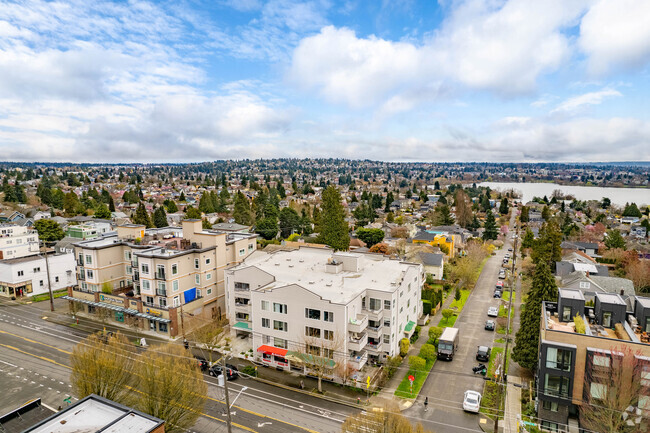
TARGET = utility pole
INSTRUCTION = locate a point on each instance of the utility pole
(47, 271)
(225, 389)
(505, 353)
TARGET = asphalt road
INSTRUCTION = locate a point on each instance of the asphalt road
(34, 362)
(448, 381)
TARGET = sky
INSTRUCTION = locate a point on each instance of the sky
(446, 80)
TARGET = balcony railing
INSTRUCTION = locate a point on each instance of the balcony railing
(160, 292)
(242, 288)
(160, 275)
(358, 324)
(136, 276)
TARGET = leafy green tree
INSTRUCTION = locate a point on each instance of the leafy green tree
(446, 314)
(141, 216)
(242, 212)
(428, 352)
(434, 334)
(543, 288)
(613, 239)
(267, 228)
(528, 240)
(19, 193)
(192, 213)
(334, 229)
(48, 230)
(605, 203)
(290, 222)
(631, 210)
(101, 211)
(491, 231)
(71, 204)
(370, 236)
(160, 217)
(417, 363)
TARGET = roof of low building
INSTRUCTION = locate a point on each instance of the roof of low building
(432, 259)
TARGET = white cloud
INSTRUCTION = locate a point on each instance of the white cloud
(615, 34)
(591, 98)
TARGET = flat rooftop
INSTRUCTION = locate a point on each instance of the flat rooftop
(610, 298)
(571, 294)
(307, 267)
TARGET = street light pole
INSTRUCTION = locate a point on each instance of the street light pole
(225, 389)
(49, 285)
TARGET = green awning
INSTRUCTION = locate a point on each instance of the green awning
(409, 326)
(310, 359)
(242, 325)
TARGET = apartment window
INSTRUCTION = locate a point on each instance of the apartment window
(328, 335)
(556, 386)
(89, 273)
(328, 353)
(175, 285)
(280, 326)
(279, 308)
(162, 327)
(41, 283)
(312, 350)
(150, 300)
(265, 305)
(550, 405)
(127, 255)
(162, 287)
(387, 322)
(280, 342)
(312, 332)
(645, 375)
(598, 391)
(89, 259)
(162, 302)
(585, 284)
(401, 310)
(601, 361)
(129, 270)
(145, 285)
(401, 293)
(175, 269)
(328, 316)
(266, 323)
(242, 286)
(207, 260)
(160, 271)
(145, 268)
(386, 338)
(558, 358)
(375, 304)
(197, 279)
(607, 319)
(20, 273)
(566, 314)
(209, 292)
(56, 279)
(363, 302)
(408, 303)
(198, 293)
(196, 263)
(550, 426)
(386, 304)
(312, 314)
(242, 252)
(251, 247)
(37, 270)
(267, 339)
(176, 301)
(208, 276)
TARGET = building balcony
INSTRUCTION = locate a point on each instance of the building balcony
(376, 315)
(375, 347)
(358, 342)
(160, 292)
(359, 324)
(160, 275)
(136, 276)
(358, 359)
(375, 331)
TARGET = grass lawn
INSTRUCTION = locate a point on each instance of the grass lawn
(503, 311)
(46, 296)
(447, 324)
(464, 294)
(404, 388)
(506, 296)
(491, 389)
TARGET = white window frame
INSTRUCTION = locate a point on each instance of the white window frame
(197, 279)
(174, 268)
(266, 305)
(175, 285)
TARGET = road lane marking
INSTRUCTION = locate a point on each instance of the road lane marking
(36, 342)
(8, 363)
(35, 356)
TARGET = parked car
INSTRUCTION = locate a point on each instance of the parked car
(490, 325)
(509, 249)
(499, 285)
(493, 312)
(203, 364)
(231, 371)
(497, 294)
(483, 353)
(502, 275)
(471, 401)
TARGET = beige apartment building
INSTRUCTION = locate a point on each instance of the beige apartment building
(165, 280)
(314, 303)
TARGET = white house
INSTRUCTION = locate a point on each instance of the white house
(27, 276)
(348, 307)
(17, 241)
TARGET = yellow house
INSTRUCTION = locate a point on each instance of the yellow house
(441, 240)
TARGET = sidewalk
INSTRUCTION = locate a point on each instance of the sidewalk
(513, 405)
(387, 392)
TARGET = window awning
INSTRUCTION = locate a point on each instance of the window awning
(243, 326)
(273, 350)
(310, 359)
(409, 326)
(116, 308)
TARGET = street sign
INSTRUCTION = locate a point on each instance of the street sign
(368, 382)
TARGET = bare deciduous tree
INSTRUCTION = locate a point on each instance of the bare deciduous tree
(170, 386)
(320, 356)
(103, 365)
(209, 336)
(381, 420)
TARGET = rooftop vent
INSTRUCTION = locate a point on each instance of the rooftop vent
(311, 282)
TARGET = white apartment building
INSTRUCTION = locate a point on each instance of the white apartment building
(349, 307)
(17, 241)
(27, 276)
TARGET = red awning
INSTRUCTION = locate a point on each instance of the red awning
(273, 350)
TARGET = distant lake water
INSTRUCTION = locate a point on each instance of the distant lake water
(618, 196)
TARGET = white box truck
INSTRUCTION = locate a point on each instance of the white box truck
(448, 344)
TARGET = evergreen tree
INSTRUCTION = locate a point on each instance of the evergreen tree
(48, 230)
(171, 206)
(160, 217)
(182, 196)
(111, 204)
(528, 240)
(503, 207)
(548, 247)
(546, 213)
(141, 216)
(19, 193)
(71, 204)
(485, 202)
(543, 288)
(192, 213)
(442, 216)
(475, 224)
(333, 228)
(613, 239)
(631, 210)
(491, 231)
(267, 228)
(101, 211)
(242, 210)
(8, 190)
(290, 222)
(523, 217)
(205, 203)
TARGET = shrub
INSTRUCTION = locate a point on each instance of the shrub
(457, 295)
(446, 287)
(249, 369)
(426, 307)
(434, 333)
(428, 352)
(580, 324)
(447, 313)
(404, 346)
(417, 363)
(430, 279)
